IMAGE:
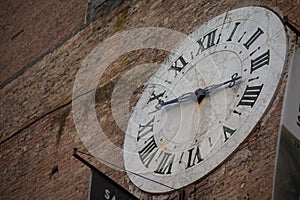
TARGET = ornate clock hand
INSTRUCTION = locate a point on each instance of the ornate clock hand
(199, 93)
(180, 99)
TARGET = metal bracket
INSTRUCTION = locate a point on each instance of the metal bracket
(104, 180)
(181, 194)
(293, 28)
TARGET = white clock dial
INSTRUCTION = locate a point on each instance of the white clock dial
(177, 143)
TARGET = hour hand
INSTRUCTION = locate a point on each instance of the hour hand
(180, 99)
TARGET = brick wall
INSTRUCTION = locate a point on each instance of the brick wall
(37, 127)
(30, 28)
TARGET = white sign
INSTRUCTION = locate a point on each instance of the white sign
(287, 173)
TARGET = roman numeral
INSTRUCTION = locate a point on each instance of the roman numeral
(227, 131)
(193, 156)
(250, 95)
(145, 129)
(154, 96)
(178, 65)
(166, 163)
(148, 152)
(233, 31)
(260, 61)
(207, 41)
(254, 37)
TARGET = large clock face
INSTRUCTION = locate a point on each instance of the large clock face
(170, 146)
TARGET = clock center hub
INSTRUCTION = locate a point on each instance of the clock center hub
(183, 124)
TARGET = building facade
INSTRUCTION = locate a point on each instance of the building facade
(44, 44)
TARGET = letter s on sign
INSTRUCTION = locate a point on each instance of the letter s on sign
(106, 195)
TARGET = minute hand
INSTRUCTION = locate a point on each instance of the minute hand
(202, 92)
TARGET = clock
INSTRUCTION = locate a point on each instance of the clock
(205, 99)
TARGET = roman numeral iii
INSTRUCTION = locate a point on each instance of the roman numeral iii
(260, 61)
